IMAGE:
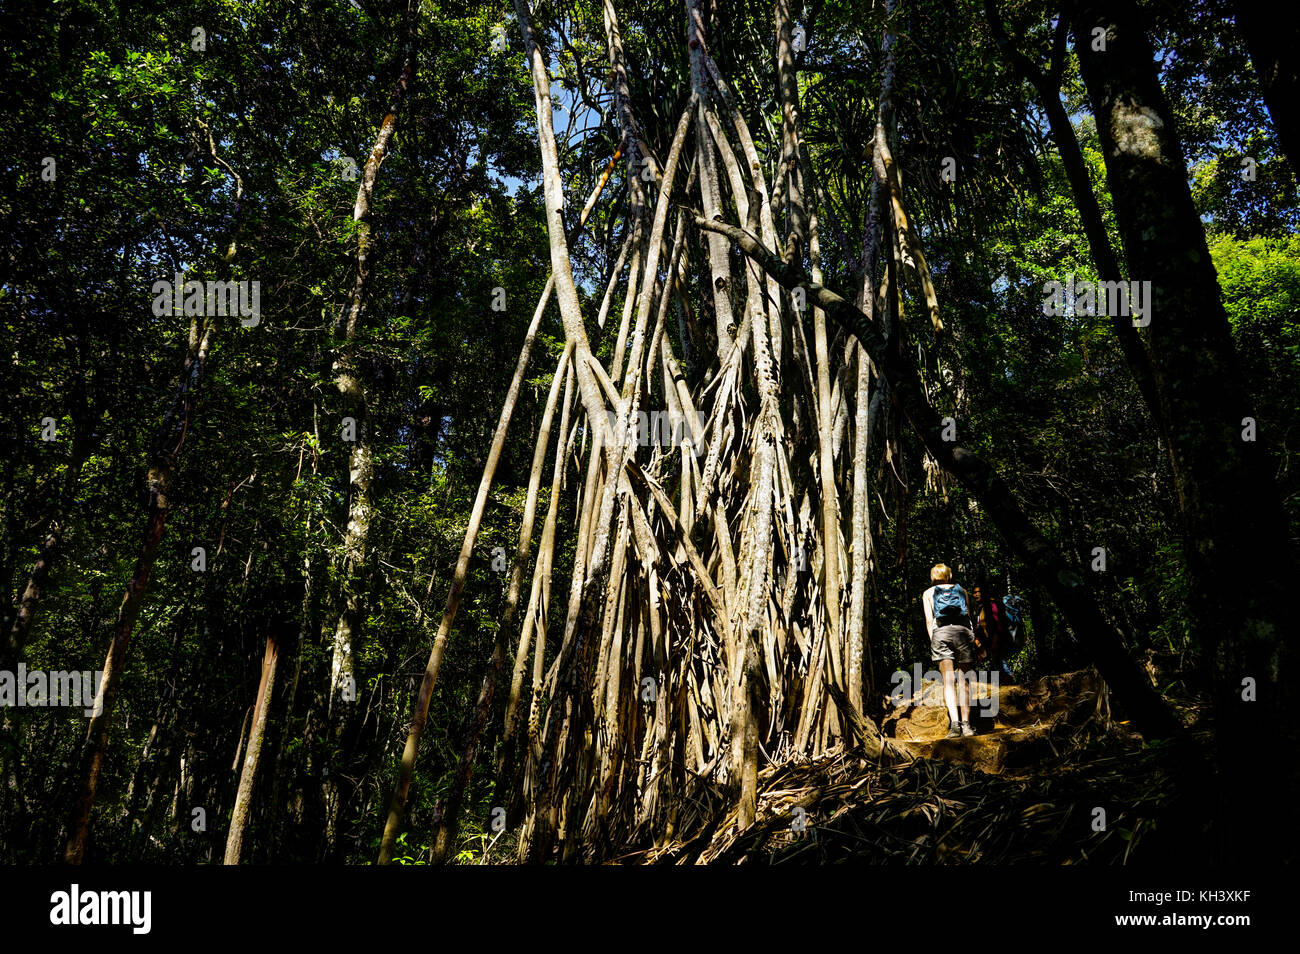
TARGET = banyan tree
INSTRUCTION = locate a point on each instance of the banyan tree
(696, 603)
(672, 344)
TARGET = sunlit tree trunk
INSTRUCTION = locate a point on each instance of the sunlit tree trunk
(253, 752)
(444, 842)
(351, 384)
(352, 388)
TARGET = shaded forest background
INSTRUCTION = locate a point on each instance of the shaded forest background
(237, 153)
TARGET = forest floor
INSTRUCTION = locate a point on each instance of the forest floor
(1052, 778)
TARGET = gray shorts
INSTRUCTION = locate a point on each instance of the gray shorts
(953, 642)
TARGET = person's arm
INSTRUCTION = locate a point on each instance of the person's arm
(929, 612)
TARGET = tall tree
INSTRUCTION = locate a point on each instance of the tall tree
(1236, 539)
(162, 466)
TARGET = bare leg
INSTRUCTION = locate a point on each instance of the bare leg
(949, 690)
(963, 694)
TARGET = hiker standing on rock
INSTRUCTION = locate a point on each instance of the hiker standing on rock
(952, 644)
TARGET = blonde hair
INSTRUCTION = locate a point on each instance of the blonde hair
(940, 573)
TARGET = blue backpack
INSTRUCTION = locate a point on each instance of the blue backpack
(950, 605)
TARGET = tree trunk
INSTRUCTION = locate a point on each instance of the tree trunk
(561, 280)
(162, 465)
(1085, 200)
(343, 690)
(1238, 552)
(244, 797)
(482, 709)
(1271, 32)
(351, 387)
